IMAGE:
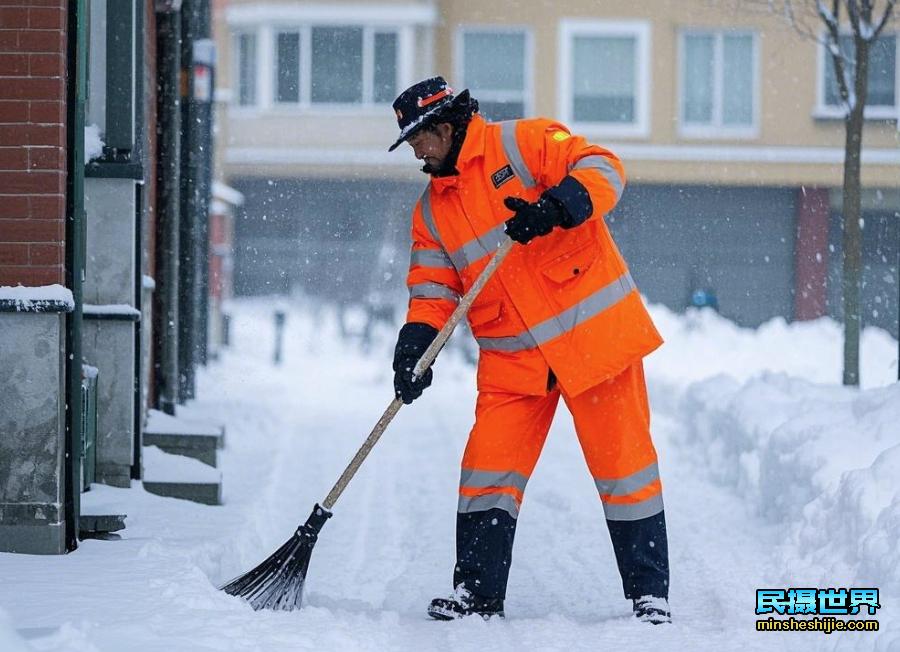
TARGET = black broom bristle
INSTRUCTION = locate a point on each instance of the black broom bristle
(277, 583)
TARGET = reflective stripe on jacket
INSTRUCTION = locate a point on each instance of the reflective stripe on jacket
(566, 300)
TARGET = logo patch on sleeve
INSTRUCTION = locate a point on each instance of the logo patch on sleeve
(501, 176)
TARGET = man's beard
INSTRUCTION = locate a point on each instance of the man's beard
(445, 169)
(428, 168)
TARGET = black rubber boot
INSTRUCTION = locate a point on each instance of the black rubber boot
(462, 604)
(652, 609)
(484, 542)
(642, 554)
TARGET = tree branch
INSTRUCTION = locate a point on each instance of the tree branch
(828, 17)
(833, 43)
(888, 10)
(853, 13)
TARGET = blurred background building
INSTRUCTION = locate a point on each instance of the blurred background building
(728, 123)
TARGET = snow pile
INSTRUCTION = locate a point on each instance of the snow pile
(822, 459)
(10, 641)
(28, 298)
(702, 343)
(93, 143)
(854, 530)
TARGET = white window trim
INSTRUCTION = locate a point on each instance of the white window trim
(568, 29)
(377, 14)
(236, 71)
(267, 69)
(528, 63)
(717, 129)
(823, 111)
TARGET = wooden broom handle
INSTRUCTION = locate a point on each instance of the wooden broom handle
(421, 366)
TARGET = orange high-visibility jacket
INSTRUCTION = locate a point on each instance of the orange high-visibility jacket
(564, 301)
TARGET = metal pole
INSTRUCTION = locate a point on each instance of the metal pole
(280, 317)
(75, 259)
(168, 173)
(140, 155)
(204, 56)
(188, 336)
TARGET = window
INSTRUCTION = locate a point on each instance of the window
(335, 64)
(881, 97)
(493, 64)
(718, 83)
(287, 57)
(384, 76)
(246, 68)
(337, 71)
(605, 76)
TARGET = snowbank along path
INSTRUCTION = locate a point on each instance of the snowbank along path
(739, 517)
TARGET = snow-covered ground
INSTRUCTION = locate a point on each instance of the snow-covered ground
(774, 476)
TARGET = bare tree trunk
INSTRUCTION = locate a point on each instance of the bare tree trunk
(852, 247)
(852, 214)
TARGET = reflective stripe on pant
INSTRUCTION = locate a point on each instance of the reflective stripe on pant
(612, 421)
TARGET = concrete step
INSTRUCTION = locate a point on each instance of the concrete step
(180, 435)
(178, 476)
(100, 526)
(102, 513)
(189, 414)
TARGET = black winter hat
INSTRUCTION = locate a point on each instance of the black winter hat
(423, 104)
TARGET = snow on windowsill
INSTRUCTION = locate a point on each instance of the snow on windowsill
(871, 113)
(111, 309)
(27, 298)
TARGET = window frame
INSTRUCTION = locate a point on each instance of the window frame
(570, 28)
(267, 67)
(825, 111)
(527, 62)
(236, 35)
(717, 129)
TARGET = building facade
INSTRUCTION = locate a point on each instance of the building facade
(102, 195)
(728, 123)
(35, 385)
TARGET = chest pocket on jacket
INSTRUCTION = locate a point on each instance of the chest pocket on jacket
(572, 265)
(482, 315)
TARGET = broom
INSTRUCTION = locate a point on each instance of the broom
(277, 583)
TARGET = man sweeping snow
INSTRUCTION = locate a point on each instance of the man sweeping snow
(561, 317)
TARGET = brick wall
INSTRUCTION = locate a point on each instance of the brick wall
(32, 141)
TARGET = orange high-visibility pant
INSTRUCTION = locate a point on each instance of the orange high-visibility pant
(612, 421)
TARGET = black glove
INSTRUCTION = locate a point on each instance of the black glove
(412, 341)
(531, 220)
